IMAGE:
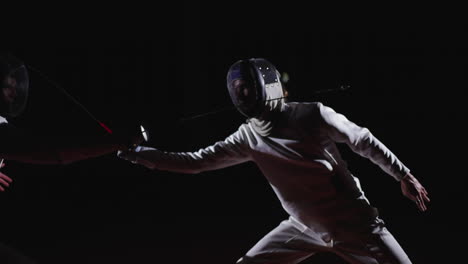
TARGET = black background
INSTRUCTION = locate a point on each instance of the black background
(157, 66)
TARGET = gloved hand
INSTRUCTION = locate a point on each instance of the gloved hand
(129, 154)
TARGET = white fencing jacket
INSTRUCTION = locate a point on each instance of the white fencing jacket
(299, 158)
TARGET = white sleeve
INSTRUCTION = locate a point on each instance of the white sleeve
(3, 120)
(362, 142)
(233, 150)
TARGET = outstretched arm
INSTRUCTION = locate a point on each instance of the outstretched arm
(222, 154)
(361, 141)
(21, 146)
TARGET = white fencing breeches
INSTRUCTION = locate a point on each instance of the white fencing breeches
(291, 242)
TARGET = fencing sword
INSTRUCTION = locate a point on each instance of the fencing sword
(230, 108)
(80, 105)
(69, 96)
(54, 84)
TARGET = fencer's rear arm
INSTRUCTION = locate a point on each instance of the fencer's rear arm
(361, 141)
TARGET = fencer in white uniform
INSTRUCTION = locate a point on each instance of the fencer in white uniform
(25, 146)
(294, 145)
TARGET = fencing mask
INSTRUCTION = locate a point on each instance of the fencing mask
(254, 85)
(14, 86)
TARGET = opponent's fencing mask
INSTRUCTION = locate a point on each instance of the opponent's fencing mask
(254, 85)
(14, 86)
